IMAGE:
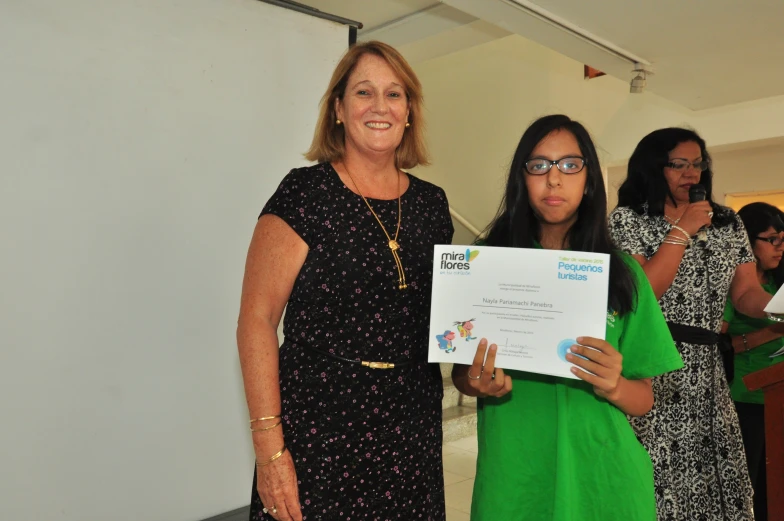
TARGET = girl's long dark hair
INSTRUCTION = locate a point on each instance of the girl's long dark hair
(517, 226)
(757, 218)
(645, 184)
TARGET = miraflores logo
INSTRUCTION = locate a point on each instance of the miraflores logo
(458, 261)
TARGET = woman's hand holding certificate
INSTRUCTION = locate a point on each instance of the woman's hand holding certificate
(482, 378)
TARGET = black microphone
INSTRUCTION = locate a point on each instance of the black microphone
(697, 193)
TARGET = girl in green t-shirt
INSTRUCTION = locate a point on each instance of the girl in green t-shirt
(554, 448)
(755, 340)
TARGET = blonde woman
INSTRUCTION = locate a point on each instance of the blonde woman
(346, 413)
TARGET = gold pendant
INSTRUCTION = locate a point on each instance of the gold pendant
(393, 245)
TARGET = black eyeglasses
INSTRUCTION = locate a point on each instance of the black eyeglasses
(567, 165)
(681, 165)
(776, 240)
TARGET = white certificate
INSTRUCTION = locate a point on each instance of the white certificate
(776, 304)
(775, 310)
(532, 303)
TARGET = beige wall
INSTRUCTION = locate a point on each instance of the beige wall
(462, 234)
(751, 169)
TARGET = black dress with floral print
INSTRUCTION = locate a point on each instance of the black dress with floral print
(366, 442)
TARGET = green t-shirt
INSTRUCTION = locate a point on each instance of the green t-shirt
(553, 450)
(757, 358)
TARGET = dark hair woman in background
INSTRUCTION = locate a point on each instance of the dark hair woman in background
(695, 254)
(755, 340)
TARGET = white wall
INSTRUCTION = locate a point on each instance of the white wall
(138, 142)
(480, 100)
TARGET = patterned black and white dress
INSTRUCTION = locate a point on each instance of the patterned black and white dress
(366, 443)
(692, 432)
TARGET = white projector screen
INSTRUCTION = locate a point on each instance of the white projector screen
(138, 143)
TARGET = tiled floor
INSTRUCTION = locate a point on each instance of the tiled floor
(459, 472)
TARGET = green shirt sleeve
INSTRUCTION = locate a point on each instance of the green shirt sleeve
(645, 341)
(729, 311)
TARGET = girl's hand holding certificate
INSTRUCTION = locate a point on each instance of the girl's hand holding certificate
(597, 363)
(600, 364)
(480, 379)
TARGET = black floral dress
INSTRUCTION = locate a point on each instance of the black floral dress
(366, 442)
(692, 432)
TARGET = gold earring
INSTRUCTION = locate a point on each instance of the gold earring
(408, 124)
(338, 122)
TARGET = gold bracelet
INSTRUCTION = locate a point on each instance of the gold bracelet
(273, 458)
(674, 237)
(265, 418)
(684, 232)
(267, 428)
(669, 239)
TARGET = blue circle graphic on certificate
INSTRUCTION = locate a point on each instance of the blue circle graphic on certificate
(563, 347)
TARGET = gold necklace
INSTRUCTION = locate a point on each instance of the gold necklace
(392, 243)
(670, 219)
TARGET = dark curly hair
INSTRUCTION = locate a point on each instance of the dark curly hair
(645, 187)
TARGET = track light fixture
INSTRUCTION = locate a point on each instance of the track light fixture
(639, 82)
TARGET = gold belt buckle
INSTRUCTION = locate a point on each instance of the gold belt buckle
(378, 365)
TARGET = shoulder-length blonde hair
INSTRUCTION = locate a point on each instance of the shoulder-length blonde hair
(329, 139)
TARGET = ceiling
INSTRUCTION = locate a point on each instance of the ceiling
(705, 54)
(371, 13)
